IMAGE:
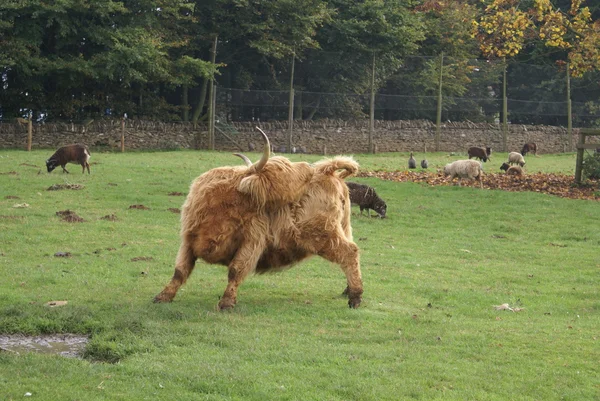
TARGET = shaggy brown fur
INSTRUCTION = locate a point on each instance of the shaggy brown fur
(75, 153)
(265, 217)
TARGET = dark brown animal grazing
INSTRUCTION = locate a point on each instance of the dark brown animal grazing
(512, 170)
(75, 153)
(480, 153)
(265, 217)
(365, 197)
(529, 147)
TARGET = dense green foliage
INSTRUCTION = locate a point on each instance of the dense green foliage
(81, 59)
(427, 329)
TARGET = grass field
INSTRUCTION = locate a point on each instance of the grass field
(427, 329)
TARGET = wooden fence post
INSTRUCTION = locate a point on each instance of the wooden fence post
(123, 134)
(29, 132)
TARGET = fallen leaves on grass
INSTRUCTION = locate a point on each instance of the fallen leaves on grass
(549, 183)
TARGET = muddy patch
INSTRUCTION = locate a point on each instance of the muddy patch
(142, 259)
(63, 254)
(174, 210)
(68, 345)
(9, 173)
(176, 194)
(11, 217)
(69, 216)
(109, 217)
(140, 207)
(58, 187)
(11, 197)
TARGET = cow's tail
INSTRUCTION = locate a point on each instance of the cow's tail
(345, 163)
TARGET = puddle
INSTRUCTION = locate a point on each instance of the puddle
(67, 345)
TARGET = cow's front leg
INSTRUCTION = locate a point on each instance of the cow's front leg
(243, 263)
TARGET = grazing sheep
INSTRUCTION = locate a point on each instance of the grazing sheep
(516, 158)
(424, 163)
(412, 163)
(529, 147)
(470, 169)
(366, 198)
(75, 153)
(480, 153)
(511, 170)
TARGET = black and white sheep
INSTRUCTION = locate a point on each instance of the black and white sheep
(482, 154)
(516, 158)
(512, 170)
(470, 169)
(75, 153)
(365, 197)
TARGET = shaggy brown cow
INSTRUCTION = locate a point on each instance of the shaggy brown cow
(265, 217)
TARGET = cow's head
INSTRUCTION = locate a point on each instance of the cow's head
(275, 180)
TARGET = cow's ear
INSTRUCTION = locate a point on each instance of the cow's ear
(278, 182)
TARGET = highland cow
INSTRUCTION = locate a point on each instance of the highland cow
(266, 217)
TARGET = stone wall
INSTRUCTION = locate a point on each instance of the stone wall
(333, 136)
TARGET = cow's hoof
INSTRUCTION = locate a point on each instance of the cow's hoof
(160, 298)
(225, 304)
(354, 302)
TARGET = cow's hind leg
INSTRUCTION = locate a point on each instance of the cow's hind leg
(184, 265)
(336, 248)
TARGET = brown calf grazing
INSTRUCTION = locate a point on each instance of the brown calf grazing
(366, 198)
(512, 170)
(479, 153)
(75, 153)
(529, 147)
(266, 217)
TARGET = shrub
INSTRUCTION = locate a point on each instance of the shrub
(591, 166)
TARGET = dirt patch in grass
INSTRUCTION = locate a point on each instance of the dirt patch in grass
(140, 207)
(174, 210)
(142, 259)
(176, 194)
(69, 216)
(549, 183)
(9, 173)
(63, 254)
(58, 187)
(68, 345)
(11, 197)
(109, 217)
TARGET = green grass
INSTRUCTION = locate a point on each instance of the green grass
(426, 329)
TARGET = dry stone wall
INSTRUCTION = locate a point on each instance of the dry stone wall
(330, 136)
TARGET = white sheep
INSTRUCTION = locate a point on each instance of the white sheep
(516, 158)
(470, 169)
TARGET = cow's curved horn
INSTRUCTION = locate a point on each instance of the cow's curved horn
(244, 158)
(266, 152)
